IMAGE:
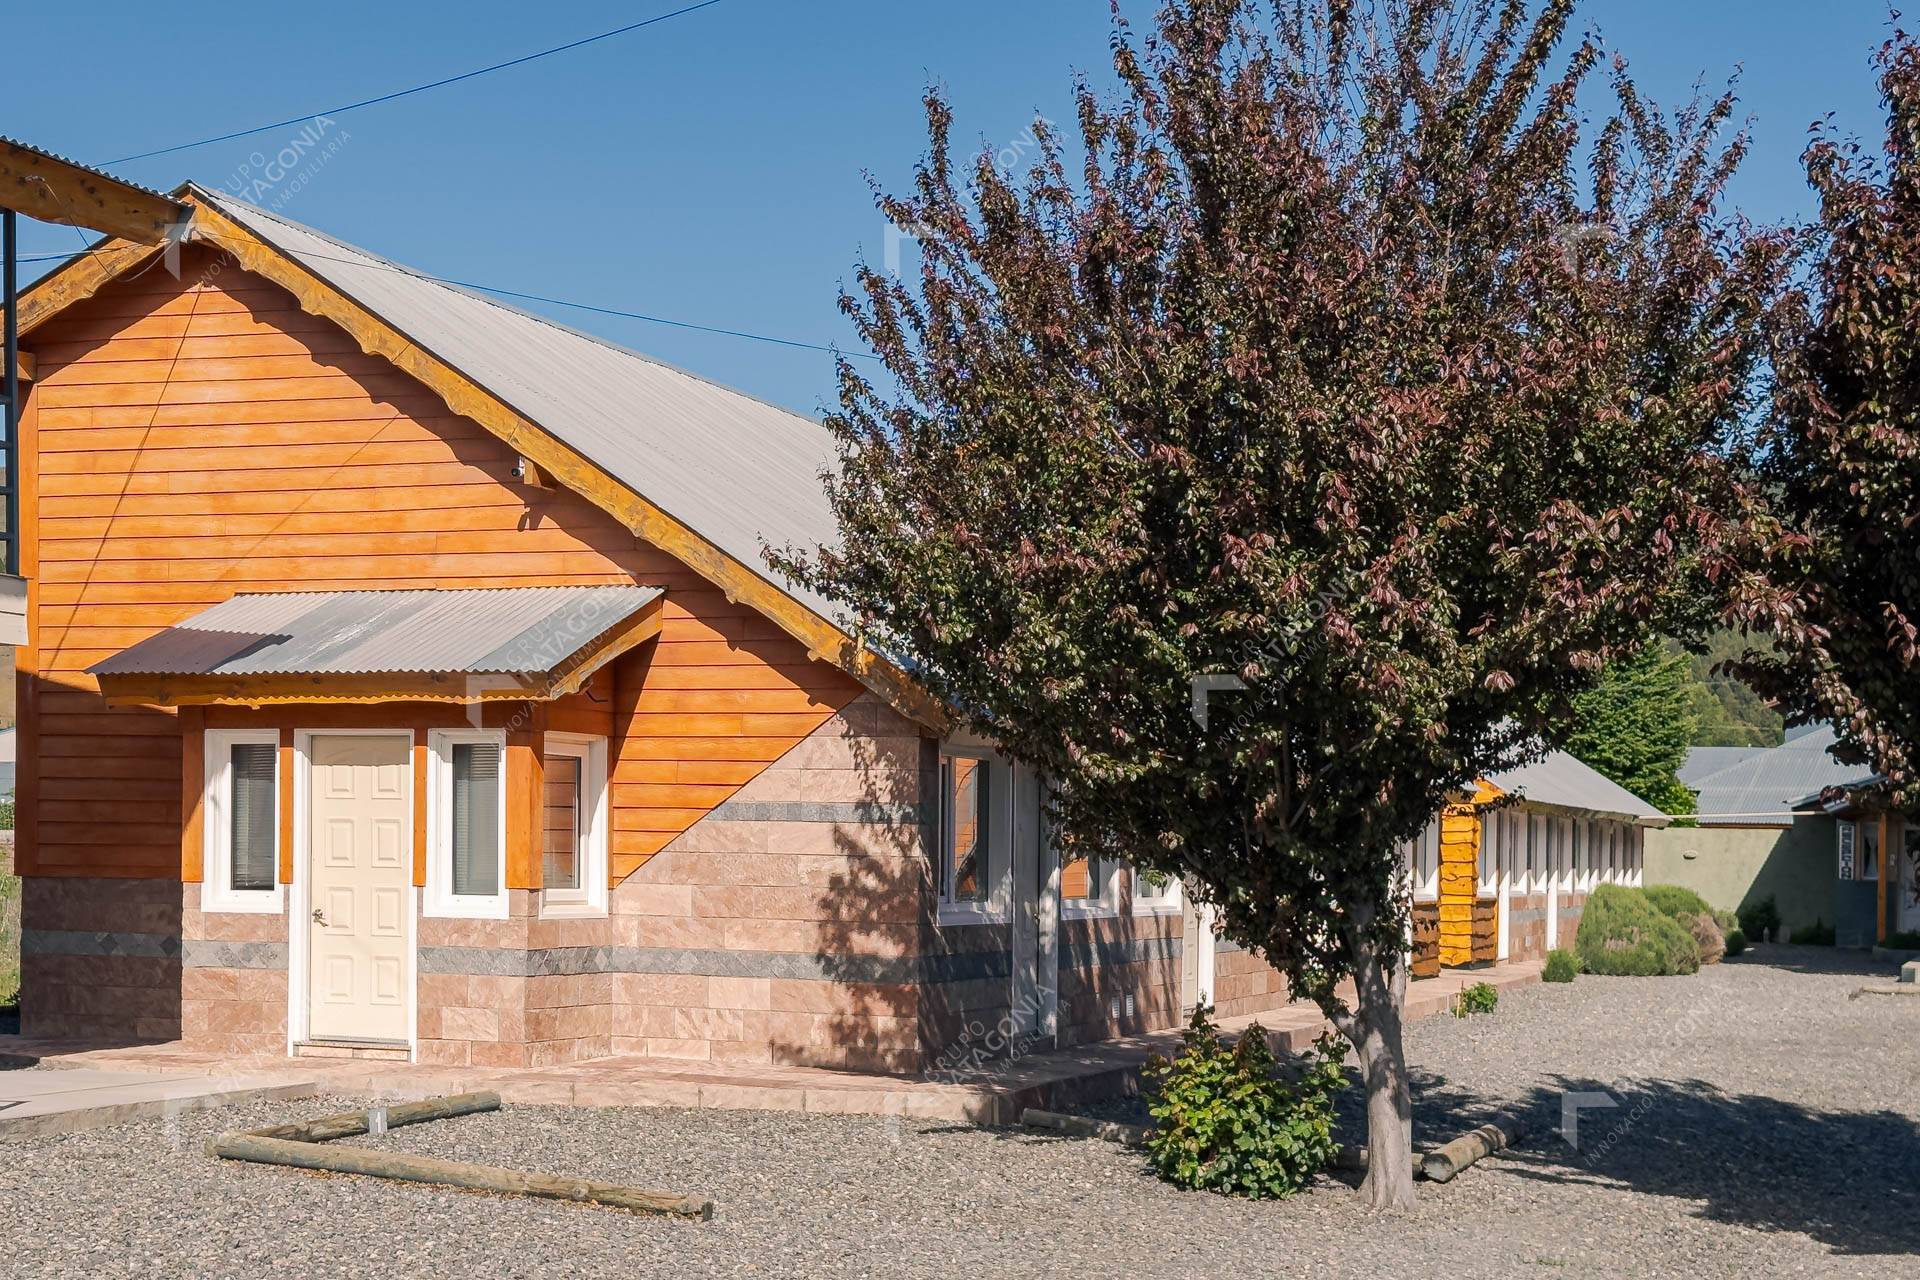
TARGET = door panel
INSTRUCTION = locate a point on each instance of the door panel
(358, 937)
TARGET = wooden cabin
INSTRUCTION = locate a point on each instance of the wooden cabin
(406, 680)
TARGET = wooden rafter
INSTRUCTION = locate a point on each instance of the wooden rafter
(45, 187)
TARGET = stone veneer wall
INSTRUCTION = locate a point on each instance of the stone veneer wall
(100, 958)
(1119, 975)
(1244, 983)
(1527, 926)
(1571, 907)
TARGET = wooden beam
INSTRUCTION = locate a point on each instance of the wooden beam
(571, 675)
(79, 280)
(561, 464)
(25, 363)
(253, 691)
(46, 187)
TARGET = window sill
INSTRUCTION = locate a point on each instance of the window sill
(572, 910)
(1156, 909)
(1088, 911)
(258, 902)
(965, 913)
(468, 909)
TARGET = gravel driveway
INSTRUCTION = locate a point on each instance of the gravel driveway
(1765, 1126)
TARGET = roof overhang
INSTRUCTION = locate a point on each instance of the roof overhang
(50, 188)
(1519, 800)
(556, 461)
(533, 644)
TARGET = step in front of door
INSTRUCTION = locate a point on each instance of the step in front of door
(374, 1050)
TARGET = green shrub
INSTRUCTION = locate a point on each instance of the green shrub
(1736, 941)
(1224, 1120)
(1727, 921)
(1817, 934)
(1561, 966)
(1623, 934)
(1908, 941)
(1676, 901)
(1760, 920)
(1481, 997)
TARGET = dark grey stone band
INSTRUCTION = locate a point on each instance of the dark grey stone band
(87, 942)
(859, 812)
(201, 953)
(1113, 951)
(562, 961)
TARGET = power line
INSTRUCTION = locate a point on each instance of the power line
(420, 88)
(552, 302)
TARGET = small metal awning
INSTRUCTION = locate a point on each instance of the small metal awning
(511, 643)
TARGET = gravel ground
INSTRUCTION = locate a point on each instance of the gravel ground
(1766, 1125)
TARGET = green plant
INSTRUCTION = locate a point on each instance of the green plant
(6, 814)
(1727, 921)
(1481, 997)
(1677, 900)
(1224, 1120)
(1760, 920)
(1561, 966)
(1635, 726)
(1623, 934)
(1817, 934)
(1908, 940)
(1736, 941)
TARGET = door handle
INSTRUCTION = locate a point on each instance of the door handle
(318, 918)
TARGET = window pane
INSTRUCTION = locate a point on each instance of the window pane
(967, 829)
(254, 820)
(563, 822)
(1077, 880)
(476, 818)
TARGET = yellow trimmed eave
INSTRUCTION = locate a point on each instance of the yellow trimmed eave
(556, 460)
(356, 688)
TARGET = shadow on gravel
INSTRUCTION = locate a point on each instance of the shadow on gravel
(1814, 960)
(1850, 1180)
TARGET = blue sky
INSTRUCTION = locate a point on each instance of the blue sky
(709, 169)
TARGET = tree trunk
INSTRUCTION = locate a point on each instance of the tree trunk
(1380, 983)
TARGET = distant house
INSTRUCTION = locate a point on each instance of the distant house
(1783, 823)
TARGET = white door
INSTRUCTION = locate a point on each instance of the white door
(360, 873)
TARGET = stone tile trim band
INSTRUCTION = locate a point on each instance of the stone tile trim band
(858, 812)
(552, 962)
(1117, 951)
(193, 953)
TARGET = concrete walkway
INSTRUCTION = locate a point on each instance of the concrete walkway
(993, 1093)
(37, 1103)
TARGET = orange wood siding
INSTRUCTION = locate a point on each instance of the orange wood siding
(189, 439)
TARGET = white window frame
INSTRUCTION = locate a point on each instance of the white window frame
(998, 817)
(216, 829)
(1103, 904)
(590, 899)
(1167, 901)
(441, 900)
(1426, 863)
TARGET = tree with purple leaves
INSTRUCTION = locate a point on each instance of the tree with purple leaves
(1287, 449)
(1840, 571)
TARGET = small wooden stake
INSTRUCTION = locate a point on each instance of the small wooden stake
(351, 1124)
(1443, 1163)
(1127, 1135)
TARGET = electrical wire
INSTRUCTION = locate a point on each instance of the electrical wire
(419, 88)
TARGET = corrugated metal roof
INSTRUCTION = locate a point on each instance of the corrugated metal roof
(1562, 780)
(510, 630)
(1764, 788)
(1703, 761)
(734, 469)
(75, 164)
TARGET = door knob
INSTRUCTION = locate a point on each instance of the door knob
(318, 918)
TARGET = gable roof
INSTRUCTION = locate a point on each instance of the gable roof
(735, 468)
(1765, 788)
(701, 471)
(1561, 781)
(1702, 762)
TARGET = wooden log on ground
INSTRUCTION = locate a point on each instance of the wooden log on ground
(1127, 1135)
(1443, 1164)
(351, 1124)
(454, 1173)
(1351, 1159)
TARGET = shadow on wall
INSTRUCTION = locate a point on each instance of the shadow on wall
(1737, 867)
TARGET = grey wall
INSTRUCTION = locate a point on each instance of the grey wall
(1733, 866)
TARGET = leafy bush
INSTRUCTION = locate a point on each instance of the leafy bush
(1817, 934)
(1727, 921)
(1481, 997)
(1224, 1120)
(1736, 941)
(1676, 901)
(1706, 936)
(1760, 920)
(1561, 966)
(1908, 941)
(1623, 934)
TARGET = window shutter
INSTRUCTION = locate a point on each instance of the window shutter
(476, 819)
(255, 829)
